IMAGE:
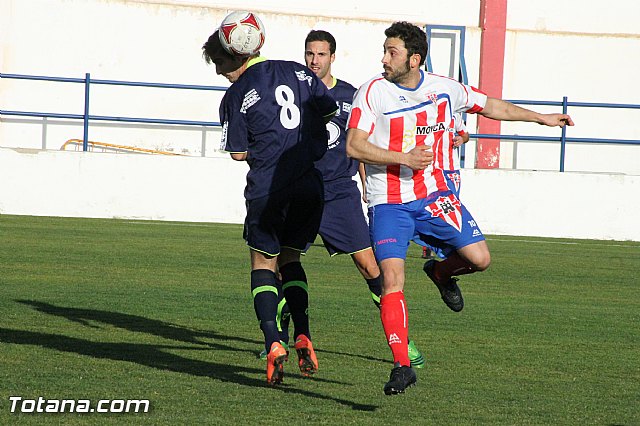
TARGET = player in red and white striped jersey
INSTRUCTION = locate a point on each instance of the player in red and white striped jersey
(401, 125)
(452, 175)
(400, 119)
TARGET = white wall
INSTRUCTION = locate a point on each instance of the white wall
(554, 49)
(135, 186)
(77, 184)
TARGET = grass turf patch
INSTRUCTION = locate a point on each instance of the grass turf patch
(115, 309)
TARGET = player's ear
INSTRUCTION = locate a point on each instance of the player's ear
(414, 61)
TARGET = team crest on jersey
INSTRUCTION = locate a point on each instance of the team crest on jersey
(432, 96)
(448, 209)
(455, 178)
(333, 133)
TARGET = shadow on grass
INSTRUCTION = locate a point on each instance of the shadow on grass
(136, 323)
(151, 355)
(166, 330)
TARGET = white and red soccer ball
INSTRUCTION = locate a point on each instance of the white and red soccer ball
(242, 33)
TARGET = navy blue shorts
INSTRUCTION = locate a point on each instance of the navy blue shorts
(288, 218)
(441, 221)
(344, 228)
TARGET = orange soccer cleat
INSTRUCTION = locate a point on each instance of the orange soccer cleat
(276, 357)
(307, 360)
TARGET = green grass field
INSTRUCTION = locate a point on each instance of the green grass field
(115, 309)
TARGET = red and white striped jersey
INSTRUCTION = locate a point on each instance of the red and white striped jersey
(399, 119)
(460, 129)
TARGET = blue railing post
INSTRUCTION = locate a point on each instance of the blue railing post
(563, 137)
(85, 138)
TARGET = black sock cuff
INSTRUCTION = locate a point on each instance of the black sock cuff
(375, 282)
(293, 272)
(262, 277)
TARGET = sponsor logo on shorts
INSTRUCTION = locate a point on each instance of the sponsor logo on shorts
(448, 209)
(476, 233)
(387, 240)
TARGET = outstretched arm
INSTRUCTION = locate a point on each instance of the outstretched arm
(358, 147)
(498, 109)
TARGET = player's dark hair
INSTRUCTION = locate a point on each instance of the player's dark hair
(321, 35)
(415, 40)
(213, 49)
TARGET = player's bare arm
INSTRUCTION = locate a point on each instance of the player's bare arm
(499, 109)
(358, 147)
(239, 156)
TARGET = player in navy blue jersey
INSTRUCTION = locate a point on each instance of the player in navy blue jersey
(343, 228)
(273, 116)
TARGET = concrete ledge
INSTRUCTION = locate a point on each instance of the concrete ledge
(197, 189)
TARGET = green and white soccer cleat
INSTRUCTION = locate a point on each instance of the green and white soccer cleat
(415, 356)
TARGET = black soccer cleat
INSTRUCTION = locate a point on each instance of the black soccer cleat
(450, 292)
(402, 377)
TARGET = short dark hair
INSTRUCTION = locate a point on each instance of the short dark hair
(415, 40)
(321, 35)
(212, 48)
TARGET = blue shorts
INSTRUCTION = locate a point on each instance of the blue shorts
(289, 217)
(440, 221)
(343, 229)
(452, 178)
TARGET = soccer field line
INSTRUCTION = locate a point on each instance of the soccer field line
(198, 225)
(576, 243)
(603, 244)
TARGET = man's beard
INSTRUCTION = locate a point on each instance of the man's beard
(400, 75)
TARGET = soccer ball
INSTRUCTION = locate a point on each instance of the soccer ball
(242, 33)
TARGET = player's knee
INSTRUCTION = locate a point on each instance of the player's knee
(369, 270)
(392, 281)
(482, 262)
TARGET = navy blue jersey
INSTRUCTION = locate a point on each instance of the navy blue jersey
(275, 113)
(335, 164)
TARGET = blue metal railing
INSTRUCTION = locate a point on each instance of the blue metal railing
(86, 117)
(563, 139)
(451, 31)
